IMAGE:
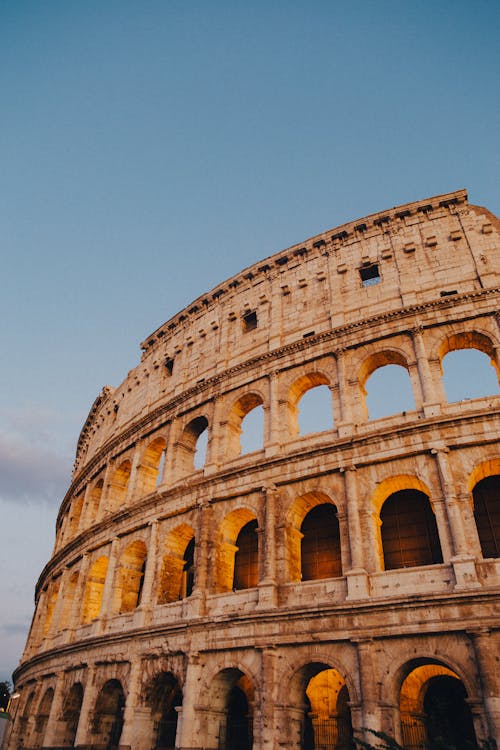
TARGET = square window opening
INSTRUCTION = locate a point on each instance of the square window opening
(249, 321)
(370, 275)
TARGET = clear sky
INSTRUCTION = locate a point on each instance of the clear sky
(149, 149)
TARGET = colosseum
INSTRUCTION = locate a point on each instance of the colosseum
(329, 582)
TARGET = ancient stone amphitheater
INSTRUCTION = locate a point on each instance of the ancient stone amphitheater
(325, 583)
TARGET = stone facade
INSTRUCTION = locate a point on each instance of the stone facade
(285, 597)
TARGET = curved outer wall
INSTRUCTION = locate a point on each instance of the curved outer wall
(299, 319)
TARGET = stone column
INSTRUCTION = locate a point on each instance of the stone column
(268, 739)
(431, 403)
(82, 739)
(486, 647)
(51, 738)
(76, 607)
(147, 596)
(134, 475)
(187, 734)
(357, 578)
(127, 739)
(103, 502)
(108, 590)
(369, 686)
(345, 425)
(273, 416)
(463, 562)
(268, 589)
(56, 615)
(197, 603)
(345, 551)
(217, 437)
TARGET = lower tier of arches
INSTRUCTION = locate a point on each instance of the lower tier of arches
(424, 690)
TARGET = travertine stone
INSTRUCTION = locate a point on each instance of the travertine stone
(160, 634)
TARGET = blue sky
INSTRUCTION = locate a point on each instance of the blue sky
(150, 149)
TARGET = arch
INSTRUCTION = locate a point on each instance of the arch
(239, 411)
(71, 715)
(118, 486)
(227, 546)
(486, 497)
(297, 391)
(433, 708)
(320, 544)
(300, 508)
(42, 716)
(130, 577)
(372, 405)
(163, 696)
(177, 570)
(187, 446)
(409, 531)
(398, 482)
(321, 692)
(107, 723)
(94, 587)
(230, 721)
(484, 469)
(24, 718)
(246, 559)
(148, 473)
(467, 340)
(468, 374)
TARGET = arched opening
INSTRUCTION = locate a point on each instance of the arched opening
(42, 717)
(94, 500)
(164, 697)
(245, 426)
(229, 543)
(320, 544)
(327, 719)
(468, 366)
(246, 559)
(177, 570)
(107, 724)
(93, 590)
(191, 448)
(130, 577)
(409, 531)
(486, 495)
(309, 405)
(118, 486)
(389, 391)
(71, 715)
(148, 474)
(467, 374)
(315, 410)
(434, 710)
(304, 543)
(230, 726)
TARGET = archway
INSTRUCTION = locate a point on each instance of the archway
(230, 725)
(409, 531)
(130, 577)
(486, 495)
(164, 697)
(71, 714)
(177, 569)
(107, 724)
(434, 710)
(320, 544)
(246, 559)
(327, 717)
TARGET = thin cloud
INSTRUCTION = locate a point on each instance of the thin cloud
(31, 472)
